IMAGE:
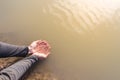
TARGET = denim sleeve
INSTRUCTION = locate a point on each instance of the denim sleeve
(8, 50)
(16, 71)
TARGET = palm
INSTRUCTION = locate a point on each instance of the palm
(40, 48)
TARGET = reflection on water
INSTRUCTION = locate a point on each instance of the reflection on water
(84, 35)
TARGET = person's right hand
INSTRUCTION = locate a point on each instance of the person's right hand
(40, 48)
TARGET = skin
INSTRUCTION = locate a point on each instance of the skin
(40, 48)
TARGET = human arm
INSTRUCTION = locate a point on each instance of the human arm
(9, 50)
(17, 70)
(39, 50)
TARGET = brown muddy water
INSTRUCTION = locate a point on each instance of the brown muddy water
(84, 35)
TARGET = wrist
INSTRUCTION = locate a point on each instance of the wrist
(41, 56)
(29, 50)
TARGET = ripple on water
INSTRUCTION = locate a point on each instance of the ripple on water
(83, 16)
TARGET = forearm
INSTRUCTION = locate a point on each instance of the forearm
(8, 50)
(16, 71)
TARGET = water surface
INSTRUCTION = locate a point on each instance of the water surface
(84, 35)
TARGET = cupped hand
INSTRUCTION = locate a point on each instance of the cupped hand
(40, 48)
